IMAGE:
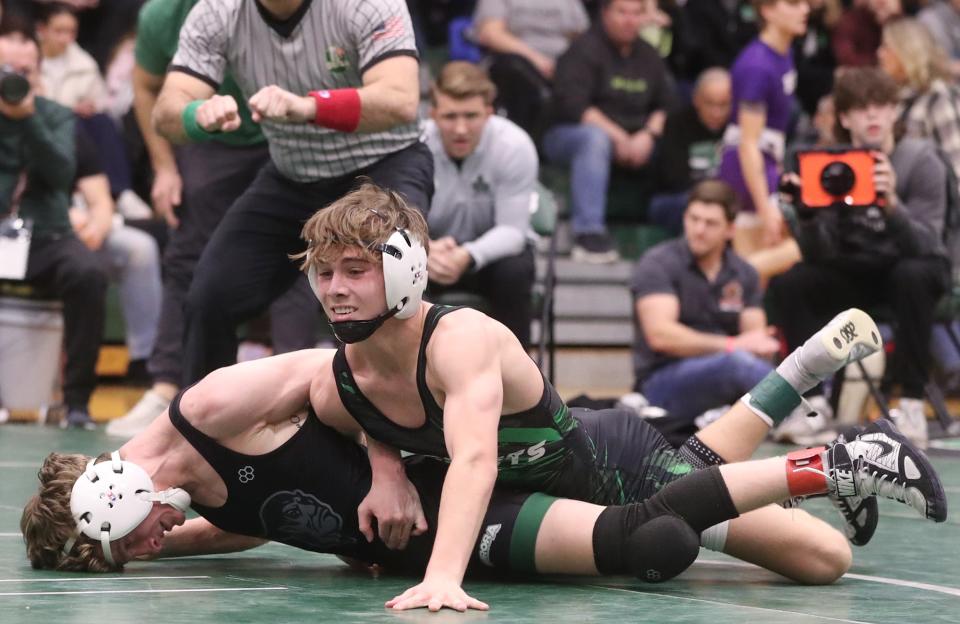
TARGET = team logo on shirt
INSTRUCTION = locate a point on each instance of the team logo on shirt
(480, 186)
(336, 59)
(300, 519)
(731, 297)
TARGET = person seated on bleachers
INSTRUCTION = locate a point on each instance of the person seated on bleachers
(485, 175)
(718, 31)
(701, 335)
(612, 92)
(524, 39)
(131, 254)
(891, 252)
(856, 36)
(37, 163)
(929, 99)
(536, 30)
(690, 149)
(942, 19)
(813, 54)
(72, 78)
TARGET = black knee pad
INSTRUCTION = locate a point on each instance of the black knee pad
(653, 548)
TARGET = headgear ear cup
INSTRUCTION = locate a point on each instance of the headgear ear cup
(110, 499)
(404, 273)
(312, 280)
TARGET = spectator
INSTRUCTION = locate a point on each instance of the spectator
(813, 54)
(690, 149)
(612, 92)
(764, 80)
(485, 174)
(71, 78)
(719, 30)
(892, 252)
(702, 339)
(942, 19)
(37, 163)
(360, 121)
(537, 30)
(70, 75)
(192, 191)
(929, 99)
(131, 254)
(524, 39)
(856, 36)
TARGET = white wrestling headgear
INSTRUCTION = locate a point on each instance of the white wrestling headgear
(404, 280)
(111, 499)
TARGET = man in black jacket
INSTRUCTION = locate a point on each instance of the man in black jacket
(690, 150)
(37, 164)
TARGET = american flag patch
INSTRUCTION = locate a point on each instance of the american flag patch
(388, 29)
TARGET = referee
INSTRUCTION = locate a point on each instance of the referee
(335, 88)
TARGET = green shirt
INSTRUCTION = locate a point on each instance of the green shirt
(158, 33)
(42, 147)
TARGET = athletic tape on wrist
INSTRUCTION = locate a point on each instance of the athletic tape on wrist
(772, 399)
(191, 128)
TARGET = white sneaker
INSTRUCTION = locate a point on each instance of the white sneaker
(131, 206)
(911, 419)
(804, 430)
(137, 419)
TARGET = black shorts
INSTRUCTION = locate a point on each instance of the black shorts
(507, 538)
(631, 461)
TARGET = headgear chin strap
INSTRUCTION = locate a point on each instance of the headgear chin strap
(111, 499)
(404, 280)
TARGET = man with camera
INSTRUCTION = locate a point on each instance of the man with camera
(870, 225)
(37, 164)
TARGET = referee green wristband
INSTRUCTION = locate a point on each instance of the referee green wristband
(193, 130)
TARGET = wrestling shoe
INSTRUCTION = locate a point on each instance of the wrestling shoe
(859, 514)
(882, 462)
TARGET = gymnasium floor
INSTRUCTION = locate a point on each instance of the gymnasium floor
(909, 573)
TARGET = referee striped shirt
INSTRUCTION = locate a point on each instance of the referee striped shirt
(326, 44)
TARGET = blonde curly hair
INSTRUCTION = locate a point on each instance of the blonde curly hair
(47, 522)
(361, 219)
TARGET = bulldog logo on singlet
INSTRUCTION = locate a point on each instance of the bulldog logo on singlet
(300, 519)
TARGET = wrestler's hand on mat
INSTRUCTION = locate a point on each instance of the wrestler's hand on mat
(434, 594)
(219, 114)
(276, 104)
(395, 504)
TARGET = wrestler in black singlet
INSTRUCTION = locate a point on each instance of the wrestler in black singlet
(305, 493)
(605, 457)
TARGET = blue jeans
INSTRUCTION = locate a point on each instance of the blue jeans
(690, 386)
(589, 152)
(135, 264)
(666, 210)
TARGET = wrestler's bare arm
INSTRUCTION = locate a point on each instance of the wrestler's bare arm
(198, 537)
(465, 359)
(237, 399)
